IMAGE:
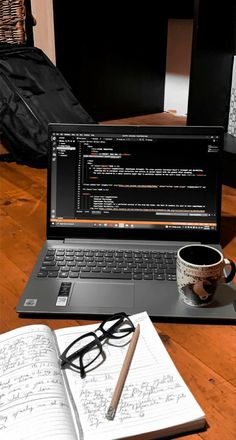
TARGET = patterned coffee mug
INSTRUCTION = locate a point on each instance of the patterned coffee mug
(199, 271)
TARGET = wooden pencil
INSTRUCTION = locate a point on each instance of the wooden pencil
(123, 374)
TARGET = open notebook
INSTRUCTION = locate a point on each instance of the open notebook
(40, 401)
(121, 201)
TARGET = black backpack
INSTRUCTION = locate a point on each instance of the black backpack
(33, 93)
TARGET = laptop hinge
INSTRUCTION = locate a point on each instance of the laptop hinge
(72, 240)
(80, 241)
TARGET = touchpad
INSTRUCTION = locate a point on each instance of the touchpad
(100, 294)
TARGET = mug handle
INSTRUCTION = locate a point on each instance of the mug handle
(232, 272)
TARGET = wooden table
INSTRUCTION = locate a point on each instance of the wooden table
(204, 354)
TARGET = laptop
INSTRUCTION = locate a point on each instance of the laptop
(121, 201)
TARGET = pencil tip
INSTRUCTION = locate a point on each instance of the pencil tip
(110, 413)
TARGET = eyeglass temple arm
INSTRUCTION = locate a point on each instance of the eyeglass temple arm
(114, 327)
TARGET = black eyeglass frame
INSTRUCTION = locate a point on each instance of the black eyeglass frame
(109, 334)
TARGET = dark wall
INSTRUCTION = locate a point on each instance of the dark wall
(211, 66)
(29, 23)
(113, 59)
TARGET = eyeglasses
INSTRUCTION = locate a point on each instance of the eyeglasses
(86, 349)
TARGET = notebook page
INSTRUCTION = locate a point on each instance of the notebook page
(154, 397)
(33, 401)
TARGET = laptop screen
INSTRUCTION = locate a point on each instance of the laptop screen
(134, 181)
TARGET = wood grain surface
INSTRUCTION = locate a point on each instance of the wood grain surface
(204, 354)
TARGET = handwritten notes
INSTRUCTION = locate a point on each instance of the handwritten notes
(39, 401)
(33, 402)
(153, 391)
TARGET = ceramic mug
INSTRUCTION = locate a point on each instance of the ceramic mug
(199, 271)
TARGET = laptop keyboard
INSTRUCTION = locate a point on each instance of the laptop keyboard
(108, 264)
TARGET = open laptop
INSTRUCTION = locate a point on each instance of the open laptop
(121, 201)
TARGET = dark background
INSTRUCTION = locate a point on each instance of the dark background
(115, 57)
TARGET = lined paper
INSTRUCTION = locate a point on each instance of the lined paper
(154, 397)
(33, 401)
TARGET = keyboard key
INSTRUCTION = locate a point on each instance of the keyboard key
(42, 274)
(74, 274)
(159, 277)
(137, 276)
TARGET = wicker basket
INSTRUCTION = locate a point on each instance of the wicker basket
(12, 21)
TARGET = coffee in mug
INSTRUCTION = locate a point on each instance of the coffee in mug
(199, 271)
